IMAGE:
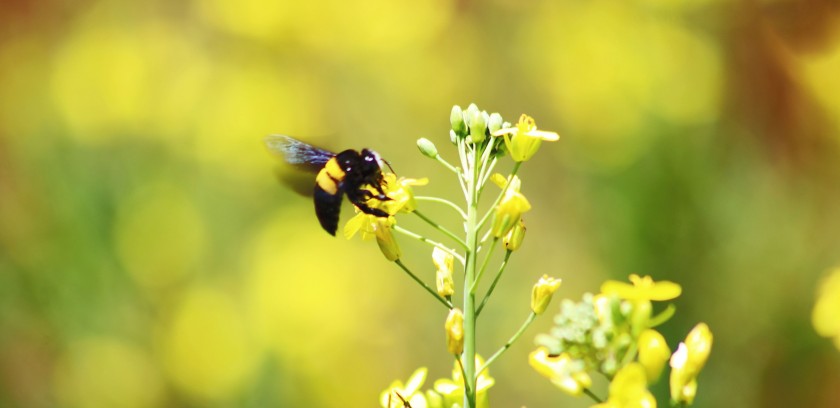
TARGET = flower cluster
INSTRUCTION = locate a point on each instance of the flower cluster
(445, 393)
(612, 333)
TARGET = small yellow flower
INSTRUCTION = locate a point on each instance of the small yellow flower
(371, 226)
(400, 193)
(824, 316)
(513, 239)
(542, 292)
(511, 206)
(653, 353)
(455, 331)
(410, 392)
(628, 389)
(452, 390)
(563, 372)
(642, 288)
(445, 264)
(687, 362)
(524, 140)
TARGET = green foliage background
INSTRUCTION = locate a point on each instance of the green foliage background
(148, 257)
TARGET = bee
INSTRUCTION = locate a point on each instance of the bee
(347, 173)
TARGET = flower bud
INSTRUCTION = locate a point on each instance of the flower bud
(444, 263)
(427, 147)
(385, 239)
(455, 331)
(653, 353)
(513, 239)
(495, 123)
(640, 316)
(478, 126)
(542, 293)
(565, 373)
(699, 344)
(456, 119)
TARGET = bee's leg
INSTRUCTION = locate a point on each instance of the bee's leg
(370, 210)
(359, 199)
(367, 195)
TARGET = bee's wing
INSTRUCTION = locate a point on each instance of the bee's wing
(298, 153)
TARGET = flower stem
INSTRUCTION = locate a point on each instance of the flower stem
(446, 164)
(430, 242)
(423, 284)
(528, 321)
(443, 201)
(492, 208)
(592, 395)
(484, 265)
(441, 229)
(468, 356)
(493, 285)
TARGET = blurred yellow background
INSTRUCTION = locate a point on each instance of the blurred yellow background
(149, 257)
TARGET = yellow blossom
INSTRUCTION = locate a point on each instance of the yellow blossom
(824, 317)
(511, 206)
(628, 389)
(455, 331)
(400, 192)
(687, 362)
(566, 374)
(542, 292)
(513, 239)
(524, 140)
(409, 392)
(371, 226)
(445, 264)
(642, 288)
(452, 390)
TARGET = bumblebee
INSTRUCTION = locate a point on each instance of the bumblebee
(346, 173)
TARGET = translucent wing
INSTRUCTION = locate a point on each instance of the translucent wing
(298, 153)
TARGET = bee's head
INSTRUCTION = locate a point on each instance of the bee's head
(370, 156)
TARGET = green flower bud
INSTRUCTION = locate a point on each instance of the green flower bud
(456, 119)
(427, 147)
(453, 137)
(478, 126)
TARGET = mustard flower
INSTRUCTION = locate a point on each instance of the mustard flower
(445, 265)
(400, 193)
(653, 353)
(824, 316)
(687, 362)
(513, 239)
(455, 331)
(452, 390)
(567, 374)
(642, 288)
(542, 292)
(524, 140)
(628, 389)
(511, 206)
(410, 392)
(371, 226)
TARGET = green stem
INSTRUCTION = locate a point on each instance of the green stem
(468, 357)
(463, 375)
(423, 284)
(446, 164)
(441, 229)
(484, 264)
(592, 395)
(493, 285)
(443, 201)
(492, 208)
(528, 321)
(430, 242)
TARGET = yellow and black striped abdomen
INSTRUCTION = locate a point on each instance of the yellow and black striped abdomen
(328, 194)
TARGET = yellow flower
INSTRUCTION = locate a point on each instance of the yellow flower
(687, 362)
(513, 239)
(445, 264)
(642, 288)
(653, 353)
(824, 316)
(628, 389)
(452, 390)
(455, 331)
(371, 226)
(524, 140)
(566, 374)
(410, 392)
(542, 292)
(511, 206)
